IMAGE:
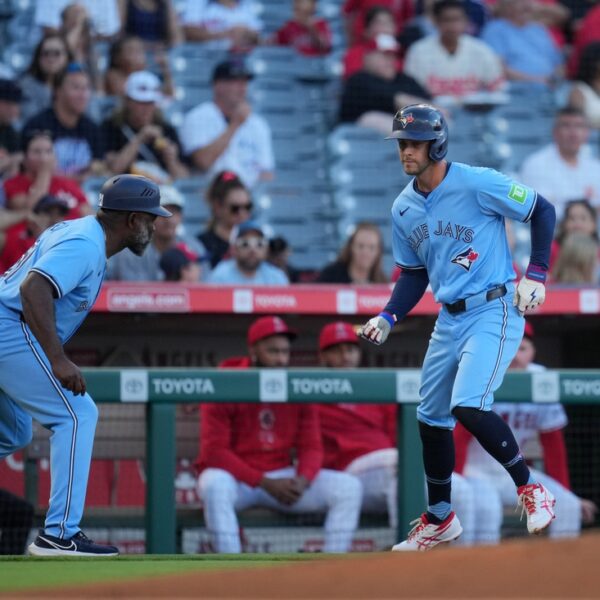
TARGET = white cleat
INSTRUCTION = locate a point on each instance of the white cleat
(538, 503)
(425, 535)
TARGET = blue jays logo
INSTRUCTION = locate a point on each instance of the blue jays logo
(406, 119)
(466, 259)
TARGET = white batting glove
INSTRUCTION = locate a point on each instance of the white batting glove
(377, 329)
(529, 294)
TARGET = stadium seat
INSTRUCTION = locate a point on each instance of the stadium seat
(272, 61)
(190, 96)
(18, 55)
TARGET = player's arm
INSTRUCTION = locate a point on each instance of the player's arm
(37, 298)
(407, 292)
(531, 291)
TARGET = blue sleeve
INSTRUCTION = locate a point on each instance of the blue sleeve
(404, 255)
(498, 194)
(409, 289)
(67, 264)
(543, 220)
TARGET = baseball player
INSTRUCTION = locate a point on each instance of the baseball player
(246, 456)
(527, 421)
(44, 298)
(360, 439)
(449, 231)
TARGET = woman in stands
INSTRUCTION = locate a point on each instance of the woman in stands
(230, 205)
(154, 21)
(50, 57)
(359, 261)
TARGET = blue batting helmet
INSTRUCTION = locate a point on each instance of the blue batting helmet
(132, 193)
(422, 122)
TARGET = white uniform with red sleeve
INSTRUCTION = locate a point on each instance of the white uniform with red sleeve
(527, 421)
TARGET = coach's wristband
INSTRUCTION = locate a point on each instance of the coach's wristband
(536, 273)
(390, 318)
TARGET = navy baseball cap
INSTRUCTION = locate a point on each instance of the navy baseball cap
(232, 68)
(132, 193)
(247, 226)
(49, 201)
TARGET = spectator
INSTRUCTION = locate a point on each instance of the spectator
(527, 421)
(50, 57)
(246, 455)
(10, 108)
(304, 31)
(16, 520)
(525, 47)
(138, 140)
(38, 179)
(360, 439)
(248, 265)
(586, 32)
(16, 240)
(359, 261)
(565, 169)
(579, 217)
(378, 19)
(224, 134)
(577, 263)
(356, 11)
(103, 15)
(154, 21)
(372, 95)
(453, 63)
(230, 205)
(77, 139)
(127, 56)
(279, 255)
(181, 264)
(126, 266)
(585, 92)
(222, 24)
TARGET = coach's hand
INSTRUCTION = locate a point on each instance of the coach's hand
(529, 294)
(69, 375)
(285, 490)
(377, 329)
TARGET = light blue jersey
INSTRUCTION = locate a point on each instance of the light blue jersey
(72, 257)
(458, 232)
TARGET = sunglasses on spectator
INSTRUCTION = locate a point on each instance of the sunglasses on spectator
(253, 242)
(54, 52)
(235, 209)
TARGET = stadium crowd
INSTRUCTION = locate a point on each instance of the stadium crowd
(190, 94)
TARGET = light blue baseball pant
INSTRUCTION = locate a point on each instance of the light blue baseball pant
(29, 389)
(467, 358)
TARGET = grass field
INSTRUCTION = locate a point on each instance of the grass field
(23, 572)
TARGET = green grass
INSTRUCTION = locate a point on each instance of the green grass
(22, 572)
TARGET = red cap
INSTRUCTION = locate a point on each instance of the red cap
(528, 330)
(338, 332)
(266, 327)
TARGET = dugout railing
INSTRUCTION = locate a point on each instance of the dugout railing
(161, 390)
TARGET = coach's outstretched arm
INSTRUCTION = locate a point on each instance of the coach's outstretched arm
(409, 289)
(531, 291)
(38, 311)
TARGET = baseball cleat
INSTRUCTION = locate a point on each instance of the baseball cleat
(425, 535)
(538, 503)
(78, 545)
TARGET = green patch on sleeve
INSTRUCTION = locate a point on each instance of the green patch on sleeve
(518, 193)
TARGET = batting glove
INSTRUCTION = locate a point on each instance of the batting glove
(377, 329)
(529, 294)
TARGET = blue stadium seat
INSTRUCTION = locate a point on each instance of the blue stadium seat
(18, 55)
(272, 61)
(189, 97)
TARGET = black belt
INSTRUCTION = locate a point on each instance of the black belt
(461, 305)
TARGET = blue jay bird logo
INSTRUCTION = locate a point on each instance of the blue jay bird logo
(466, 259)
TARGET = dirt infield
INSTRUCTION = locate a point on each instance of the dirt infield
(530, 568)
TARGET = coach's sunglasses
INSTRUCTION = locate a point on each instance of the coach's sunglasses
(236, 209)
(254, 242)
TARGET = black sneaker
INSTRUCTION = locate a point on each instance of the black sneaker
(78, 545)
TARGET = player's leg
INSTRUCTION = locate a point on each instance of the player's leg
(15, 426)
(439, 524)
(568, 507)
(340, 494)
(26, 377)
(220, 493)
(489, 338)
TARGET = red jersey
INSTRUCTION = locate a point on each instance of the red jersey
(297, 35)
(17, 241)
(62, 187)
(249, 440)
(352, 430)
